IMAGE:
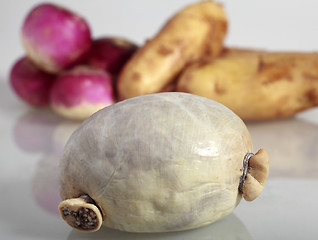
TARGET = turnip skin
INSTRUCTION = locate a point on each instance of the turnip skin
(110, 53)
(55, 38)
(156, 163)
(30, 83)
(81, 91)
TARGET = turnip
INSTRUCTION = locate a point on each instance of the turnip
(157, 163)
(78, 93)
(110, 53)
(30, 83)
(55, 38)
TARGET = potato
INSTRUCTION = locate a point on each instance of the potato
(256, 84)
(194, 32)
(157, 163)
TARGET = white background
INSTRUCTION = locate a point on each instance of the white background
(287, 209)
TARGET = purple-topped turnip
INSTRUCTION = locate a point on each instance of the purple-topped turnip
(82, 91)
(30, 83)
(55, 38)
(110, 53)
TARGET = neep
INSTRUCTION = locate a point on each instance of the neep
(80, 92)
(110, 53)
(158, 163)
(55, 38)
(30, 83)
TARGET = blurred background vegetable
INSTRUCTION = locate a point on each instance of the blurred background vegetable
(55, 38)
(30, 83)
(82, 91)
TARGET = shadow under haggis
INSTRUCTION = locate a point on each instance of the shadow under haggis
(227, 228)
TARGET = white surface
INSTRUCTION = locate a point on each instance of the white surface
(31, 140)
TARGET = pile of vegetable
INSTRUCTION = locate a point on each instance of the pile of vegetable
(64, 67)
(186, 55)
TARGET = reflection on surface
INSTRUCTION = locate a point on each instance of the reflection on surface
(40, 130)
(226, 229)
(45, 185)
(45, 181)
(291, 144)
(34, 130)
(62, 133)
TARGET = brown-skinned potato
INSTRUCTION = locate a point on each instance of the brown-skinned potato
(194, 32)
(256, 84)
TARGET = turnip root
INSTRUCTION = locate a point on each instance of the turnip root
(195, 32)
(55, 38)
(30, 83)
(157, 163)
(110, 54)
(80, 92)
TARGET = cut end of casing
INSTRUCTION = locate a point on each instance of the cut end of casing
(81, 214)
(257, 173)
